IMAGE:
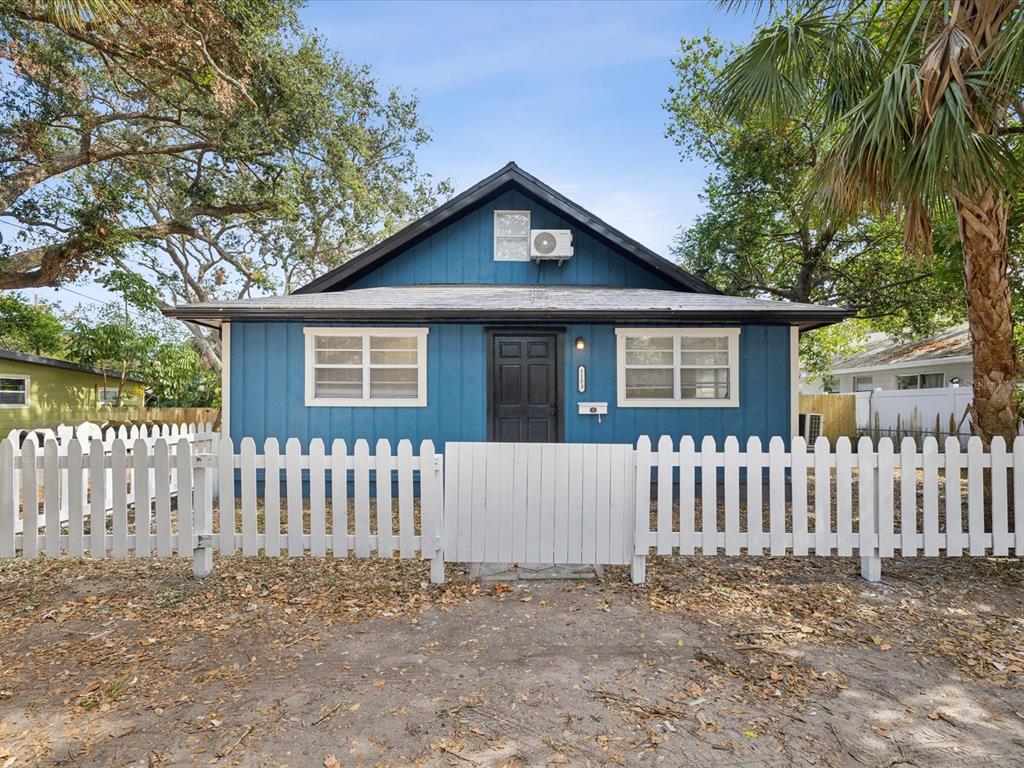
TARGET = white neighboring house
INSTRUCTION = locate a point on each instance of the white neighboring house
(935, 362)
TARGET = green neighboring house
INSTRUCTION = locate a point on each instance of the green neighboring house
(39, 392)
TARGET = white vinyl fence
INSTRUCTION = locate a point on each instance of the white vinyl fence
(571, 503)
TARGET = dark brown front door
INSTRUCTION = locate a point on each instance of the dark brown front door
(524, 393)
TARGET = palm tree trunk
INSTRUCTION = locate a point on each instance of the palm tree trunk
(982, 218)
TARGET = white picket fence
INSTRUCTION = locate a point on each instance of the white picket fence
(844, 517)
(580, 503)
(87, 433)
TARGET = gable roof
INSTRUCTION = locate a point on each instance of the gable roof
(513, 303)
(52, 362)
(950, 345)
(510, 176)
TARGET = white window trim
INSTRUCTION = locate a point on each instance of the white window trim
(28, 390)
(366, 402)
(732, 334)
(494, 246)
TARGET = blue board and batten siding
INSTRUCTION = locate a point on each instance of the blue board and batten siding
(268, 390)
(463, 252)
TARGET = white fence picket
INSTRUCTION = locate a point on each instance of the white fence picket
(687, 496)
(930, 492)
(29, 500)
(317, 498)
(226, 495)
(293, 496)
(271, 498)
(1000, 523)
(844, 498)
(885, 515)
(119, 497)
(777, 495)
(8, 499)
(76, 500)
(1018, 495)
(733, 540)
(97, 498)
(755, 488)
(162, 497)
(339, 499)
(183, 461)
(382, 476)
(406, 531)
(954, 502)
(665, 472)
(822, 497)
(53, 489)
(362, 498)
(247, 491)
(708, 496)
(141, 497)
(975, 497)
(798, 484)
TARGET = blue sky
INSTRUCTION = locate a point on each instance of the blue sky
(571, 91)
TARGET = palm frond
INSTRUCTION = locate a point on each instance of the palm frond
(794, 62)
(77, 15)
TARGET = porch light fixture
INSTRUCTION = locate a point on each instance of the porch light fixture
(580, 343)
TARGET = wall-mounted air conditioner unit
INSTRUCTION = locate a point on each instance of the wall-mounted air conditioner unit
(550, 244)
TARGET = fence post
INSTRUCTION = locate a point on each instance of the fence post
(202, 482)
(642, 511)
(870, 558)
(437, 503)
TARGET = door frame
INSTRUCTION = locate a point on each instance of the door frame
(559, 334)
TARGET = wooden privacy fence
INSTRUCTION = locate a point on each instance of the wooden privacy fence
(583, 503)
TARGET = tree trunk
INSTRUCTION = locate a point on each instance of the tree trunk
(982, 218)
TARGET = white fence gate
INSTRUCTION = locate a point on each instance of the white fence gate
(565, 503)
(539, 503)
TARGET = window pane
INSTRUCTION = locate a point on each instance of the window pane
(339, 382)
(649, 383)
(12, 398)
(932, 380)
(512, 224)
(396, 350)
(649, 350)
(339, 350)
(12, 385)
(699, 383)
(704, 342)
(394, 382)
(863, 383)
(705, 358)
(512, 249)
(906, 382)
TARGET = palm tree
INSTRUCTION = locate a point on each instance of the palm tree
(922, 103)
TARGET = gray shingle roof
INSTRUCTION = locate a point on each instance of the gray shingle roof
(881, 350)
(511, 303)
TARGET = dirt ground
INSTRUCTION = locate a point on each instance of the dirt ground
(739, 661)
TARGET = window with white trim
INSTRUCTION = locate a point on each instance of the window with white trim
(678, 367)
(106, 395)
(863, 383)
(13, 391)
(366, 367)
(511, 235)
(921, 381)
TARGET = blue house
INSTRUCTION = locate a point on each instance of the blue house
(509, 314)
